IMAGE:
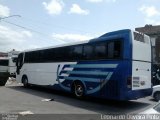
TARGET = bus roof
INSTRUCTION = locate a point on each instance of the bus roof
(109, 34)
(115, 33)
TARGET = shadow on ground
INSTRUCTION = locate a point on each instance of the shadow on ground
(101, 106)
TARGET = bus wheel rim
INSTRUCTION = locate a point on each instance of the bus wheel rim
(78, 90)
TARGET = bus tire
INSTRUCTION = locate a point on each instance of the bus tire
(157, 96)
(25, 81)
(78, 89)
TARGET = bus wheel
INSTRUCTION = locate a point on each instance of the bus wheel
(25, 81)
(78, 89)
(157, 96)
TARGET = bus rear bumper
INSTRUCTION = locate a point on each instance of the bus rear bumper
(136, 94)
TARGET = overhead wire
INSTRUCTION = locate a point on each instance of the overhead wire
(42, 24)
(53, 26)
(32, 30)
(26, 28)
(44, 35)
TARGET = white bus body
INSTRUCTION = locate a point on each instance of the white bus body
(121, 70)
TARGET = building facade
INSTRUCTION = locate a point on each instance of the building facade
(2, 54)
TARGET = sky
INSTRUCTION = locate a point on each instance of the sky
(44, 23)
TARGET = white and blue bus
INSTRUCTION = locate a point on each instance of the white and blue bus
(116, 65)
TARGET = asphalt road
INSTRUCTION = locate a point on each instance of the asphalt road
(14, 98)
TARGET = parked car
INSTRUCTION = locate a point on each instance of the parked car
(156, 92)
(153, 110)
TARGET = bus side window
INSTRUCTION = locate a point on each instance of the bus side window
(68, 53)
(34, 56)
(77, 52)
(27, 57)
(117, 49)
(88, 52)
(114, 50)
(62, 54)
(110, 50)
(100, 51)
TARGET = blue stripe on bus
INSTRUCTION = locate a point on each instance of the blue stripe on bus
(102, 84)
(80, 78)
(102, 79)
(93, 66)
(100, 73)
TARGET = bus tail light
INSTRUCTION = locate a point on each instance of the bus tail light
(129, 82)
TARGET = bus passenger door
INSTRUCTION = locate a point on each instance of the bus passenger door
(19, 63)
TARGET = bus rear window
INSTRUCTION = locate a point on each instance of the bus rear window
(140, 37)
